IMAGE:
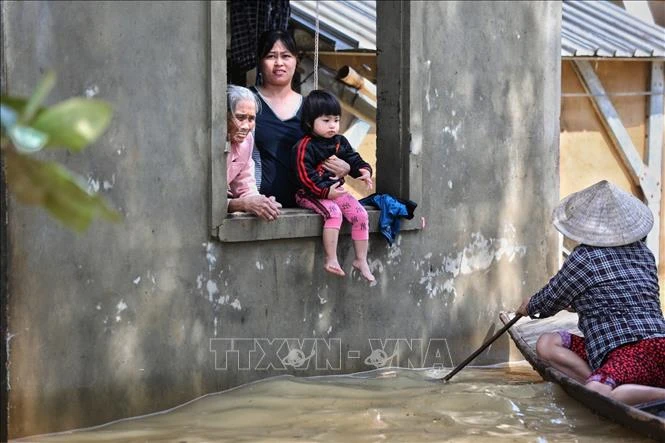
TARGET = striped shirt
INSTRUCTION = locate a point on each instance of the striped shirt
(615, 292)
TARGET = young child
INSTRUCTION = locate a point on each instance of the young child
(611, 281)
(321, 190)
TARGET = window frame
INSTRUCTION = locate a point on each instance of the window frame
(399, 169)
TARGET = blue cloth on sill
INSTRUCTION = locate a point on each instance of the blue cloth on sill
(392, 210)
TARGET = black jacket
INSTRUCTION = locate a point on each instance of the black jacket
(307, 158)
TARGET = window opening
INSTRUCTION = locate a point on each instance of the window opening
(371, 115)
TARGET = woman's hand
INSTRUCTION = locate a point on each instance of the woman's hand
(337, 166)
(522, 310)
(336, 190)
(366, 177)
(264, 207)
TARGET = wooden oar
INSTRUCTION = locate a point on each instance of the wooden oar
(460, 366)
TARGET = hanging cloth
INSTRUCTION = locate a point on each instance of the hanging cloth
(249, 19)
(393, 209)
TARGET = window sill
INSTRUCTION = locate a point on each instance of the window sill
(292, 223)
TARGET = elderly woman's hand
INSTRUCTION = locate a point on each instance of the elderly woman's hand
(337, 166)
(523, 307)
(264, 207)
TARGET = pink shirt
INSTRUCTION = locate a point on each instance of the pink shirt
(240, 169)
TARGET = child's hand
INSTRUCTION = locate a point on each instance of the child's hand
(336, 190)
(366, 177)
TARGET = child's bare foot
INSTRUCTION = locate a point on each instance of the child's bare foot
(363, 268)
(334, 268)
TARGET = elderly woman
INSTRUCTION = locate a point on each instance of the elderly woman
(611, 281)
(278, 127)
(242, 107)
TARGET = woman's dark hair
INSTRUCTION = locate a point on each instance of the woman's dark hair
(316, 104)
(268, 40)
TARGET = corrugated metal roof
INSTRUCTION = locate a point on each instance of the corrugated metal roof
(349, 24)
(602, 29)
(588, 28)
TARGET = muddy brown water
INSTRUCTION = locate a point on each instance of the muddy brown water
(497, 404)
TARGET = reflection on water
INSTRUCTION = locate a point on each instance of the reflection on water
(478, 404)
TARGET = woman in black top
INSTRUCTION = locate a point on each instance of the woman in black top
(278, 123)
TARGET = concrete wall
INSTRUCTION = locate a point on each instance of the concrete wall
(118, 321)
(485, 84)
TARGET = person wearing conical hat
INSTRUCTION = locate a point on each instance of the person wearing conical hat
(610, 280)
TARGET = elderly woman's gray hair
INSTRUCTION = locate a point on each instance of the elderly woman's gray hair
(236, 94)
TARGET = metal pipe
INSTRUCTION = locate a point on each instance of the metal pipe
(351, 99)
(349, 76)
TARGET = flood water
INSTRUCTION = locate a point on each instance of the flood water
(498, 404)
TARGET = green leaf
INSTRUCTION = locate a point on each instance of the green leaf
(26, 139)
(19, 173)
(74, 123)
(49, 185)
(43, 89)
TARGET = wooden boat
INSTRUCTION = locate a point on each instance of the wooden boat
(648, 419)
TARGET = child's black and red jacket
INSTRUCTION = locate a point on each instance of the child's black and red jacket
(307, 158)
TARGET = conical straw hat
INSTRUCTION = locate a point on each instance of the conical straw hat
(603, 215)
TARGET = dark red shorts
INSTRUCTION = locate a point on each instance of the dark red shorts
(641, 363)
